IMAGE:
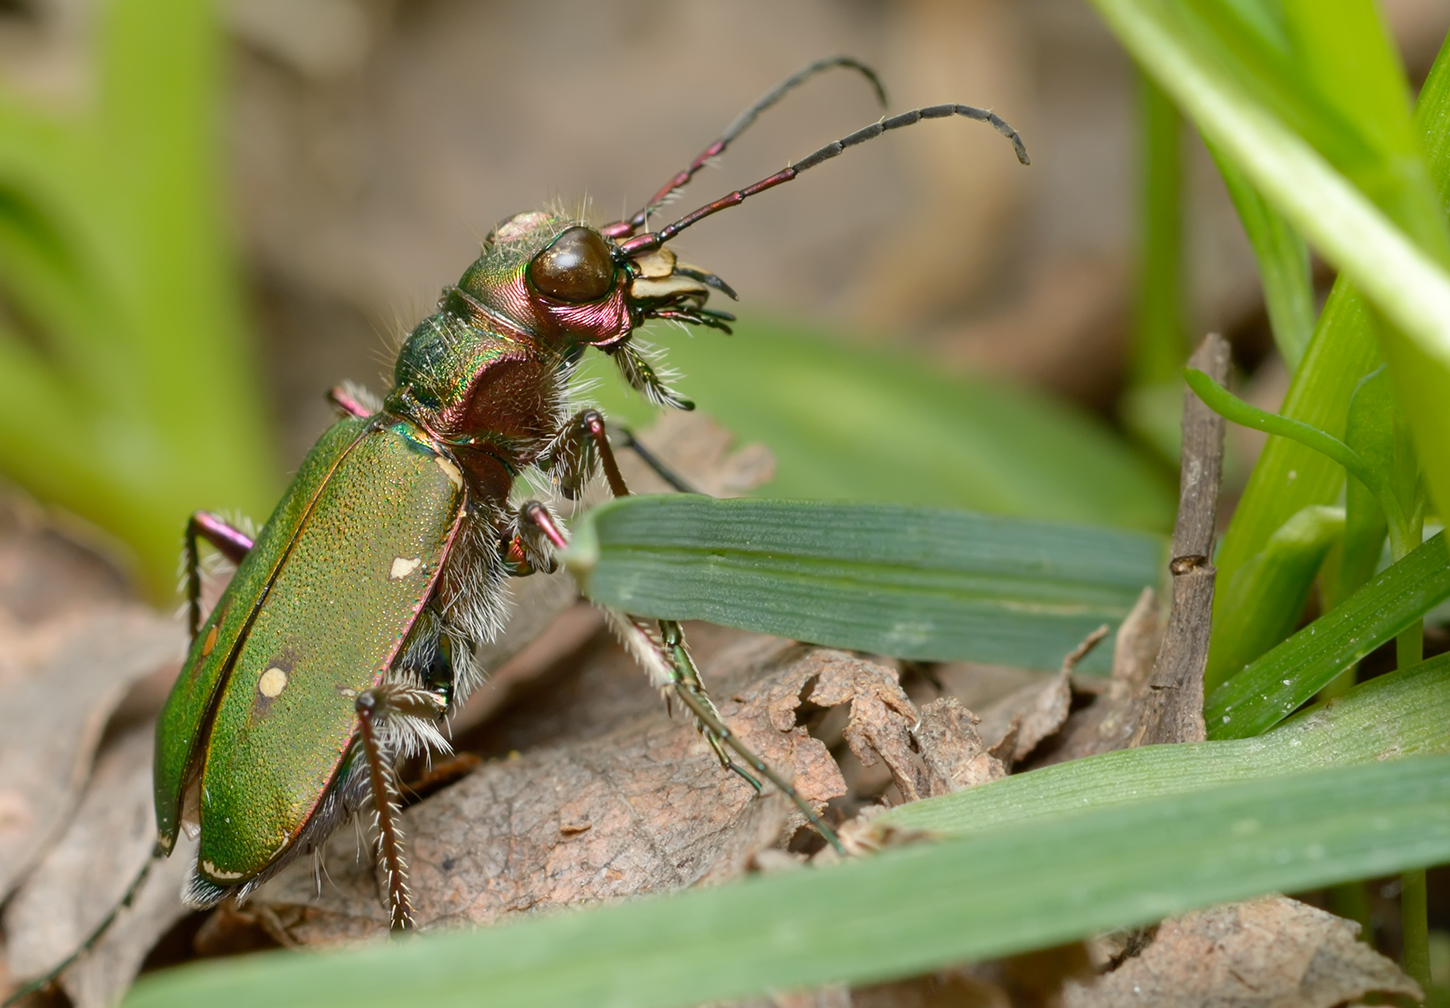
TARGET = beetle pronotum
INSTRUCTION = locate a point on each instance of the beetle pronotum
(405, 502)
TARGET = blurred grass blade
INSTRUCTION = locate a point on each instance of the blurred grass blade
(903, 912)
(1274, 686)
(848, 422)
(1400, 714)
(1268, 593)
(911, 582)
(132, 377)
(1283, 260)
(1159, 346)
(1288, 475)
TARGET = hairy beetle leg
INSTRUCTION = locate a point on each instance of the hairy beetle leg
(579, 450)
(372, 707)
(229, 541)
(528, 545)
(583, 447)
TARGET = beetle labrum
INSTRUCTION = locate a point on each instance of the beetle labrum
(405, 502)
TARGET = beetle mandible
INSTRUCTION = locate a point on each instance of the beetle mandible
(404, 502)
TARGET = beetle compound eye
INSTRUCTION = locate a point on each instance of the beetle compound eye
(576, 267)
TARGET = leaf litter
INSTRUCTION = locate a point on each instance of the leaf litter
(572, 786)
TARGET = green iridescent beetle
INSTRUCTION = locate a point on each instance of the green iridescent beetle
(347, 632)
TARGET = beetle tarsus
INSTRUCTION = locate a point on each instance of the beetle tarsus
(649, 458)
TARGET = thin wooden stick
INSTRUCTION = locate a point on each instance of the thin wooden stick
(1173, 708)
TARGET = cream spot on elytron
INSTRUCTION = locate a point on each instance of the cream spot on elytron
(273, 682)
(403, 566)
(450, 470)
(217, 873)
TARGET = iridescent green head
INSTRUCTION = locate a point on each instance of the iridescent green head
(555, 285)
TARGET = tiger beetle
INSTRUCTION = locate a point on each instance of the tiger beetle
(347, 632)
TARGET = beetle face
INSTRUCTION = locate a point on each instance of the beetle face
(547, 276)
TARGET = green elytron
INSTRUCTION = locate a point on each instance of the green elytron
(347, 631)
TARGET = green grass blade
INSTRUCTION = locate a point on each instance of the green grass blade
(893, 579)
(1159, 346)
(1283, 260)
(1386, 235)
(848, 422)
(1267, 594)
(1273, 687)
(115, 254)
(1291, 476)
(906, 911)
(1400, 714)
(1369, 432)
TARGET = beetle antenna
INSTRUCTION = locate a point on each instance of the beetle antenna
(625, 228)
(651, 240)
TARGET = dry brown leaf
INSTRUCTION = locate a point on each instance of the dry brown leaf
(84, 876)
(101, 976)
(61, 707)
(1272, 952)
(953, 751)
(549, 625)
(1030, 715)
(45, 573)
(951, 989)
(1107, 723)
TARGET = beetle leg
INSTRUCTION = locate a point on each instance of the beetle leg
(578, 451)
(652, 460)
(351, 400)
(37, 984)
(373, 706)
(528, 544)
(583, 445)
(229, 541)
(667, 659)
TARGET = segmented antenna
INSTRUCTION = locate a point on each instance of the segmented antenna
(654, 239)
(625, 228)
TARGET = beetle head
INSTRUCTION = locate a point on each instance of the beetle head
(552, 277)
